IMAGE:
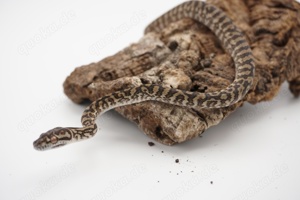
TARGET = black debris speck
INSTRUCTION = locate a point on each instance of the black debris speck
(211, 182)
(173, 45)
(151, 144)
(177, 160)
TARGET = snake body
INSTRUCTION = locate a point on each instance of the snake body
(232, 40)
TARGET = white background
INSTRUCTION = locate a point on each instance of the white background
(253, 154)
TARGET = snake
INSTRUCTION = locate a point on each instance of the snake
(232, 40)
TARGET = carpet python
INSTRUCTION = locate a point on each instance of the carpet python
(231, 38)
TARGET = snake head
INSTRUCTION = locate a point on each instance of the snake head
(53, 138)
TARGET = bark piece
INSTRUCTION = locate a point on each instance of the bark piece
(186, 55)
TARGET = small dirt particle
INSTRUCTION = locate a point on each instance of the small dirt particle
(151, 144)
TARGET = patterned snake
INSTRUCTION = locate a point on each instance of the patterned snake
(232, 40)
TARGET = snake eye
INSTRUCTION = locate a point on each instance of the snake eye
(53, 140)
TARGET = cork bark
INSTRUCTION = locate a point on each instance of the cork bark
(187, 55)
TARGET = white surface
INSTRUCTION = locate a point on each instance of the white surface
(253, 154)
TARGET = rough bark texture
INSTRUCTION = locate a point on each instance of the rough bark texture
(188, 56)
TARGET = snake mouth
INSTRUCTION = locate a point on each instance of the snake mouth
(44, 148)
(40, 147)
(60, 145)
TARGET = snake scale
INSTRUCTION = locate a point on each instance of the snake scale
(232, 40)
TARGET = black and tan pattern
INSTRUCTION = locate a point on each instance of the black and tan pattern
(232, 40)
